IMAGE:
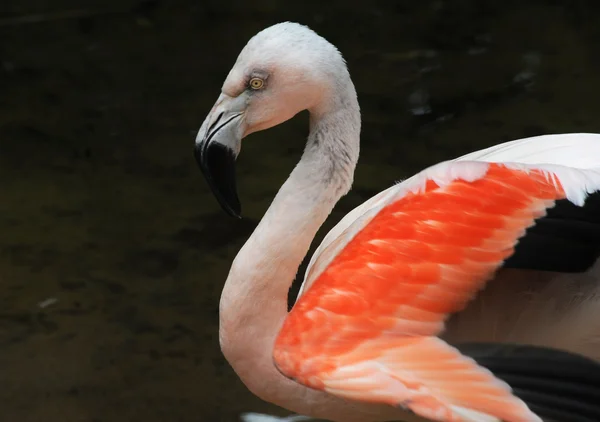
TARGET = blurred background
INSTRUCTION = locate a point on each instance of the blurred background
(113, 252)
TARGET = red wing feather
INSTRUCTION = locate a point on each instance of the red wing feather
(375, 310)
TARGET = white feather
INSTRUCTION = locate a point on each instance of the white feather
(578, 150)
(259, 417)
(470, 415)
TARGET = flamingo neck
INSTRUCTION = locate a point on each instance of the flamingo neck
(254, 299)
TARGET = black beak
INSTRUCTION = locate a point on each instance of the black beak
(217, 163)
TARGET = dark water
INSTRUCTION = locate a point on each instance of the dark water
(112, 250)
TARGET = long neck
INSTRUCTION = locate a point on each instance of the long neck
(254, 300)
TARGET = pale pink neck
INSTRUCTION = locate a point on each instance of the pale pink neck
(254, 300)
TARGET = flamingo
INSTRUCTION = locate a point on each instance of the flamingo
(392, 321)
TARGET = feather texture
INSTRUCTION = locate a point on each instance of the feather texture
(366, 328)
(576, 150)
(556, 384)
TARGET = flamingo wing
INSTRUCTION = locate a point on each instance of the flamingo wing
(367, 327)
(579, 150)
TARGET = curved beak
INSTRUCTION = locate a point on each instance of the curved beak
(217, 146)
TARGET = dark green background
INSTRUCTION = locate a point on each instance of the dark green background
(102, 207)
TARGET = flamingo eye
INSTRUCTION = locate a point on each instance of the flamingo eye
(256, 83)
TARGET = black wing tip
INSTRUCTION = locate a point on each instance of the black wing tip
(556, 384)
(566, 240)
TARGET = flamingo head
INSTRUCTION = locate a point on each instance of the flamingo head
(282, 70)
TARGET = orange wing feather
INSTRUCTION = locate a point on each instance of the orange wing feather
(366, 327)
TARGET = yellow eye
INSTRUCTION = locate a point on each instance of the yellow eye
(256, 83)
